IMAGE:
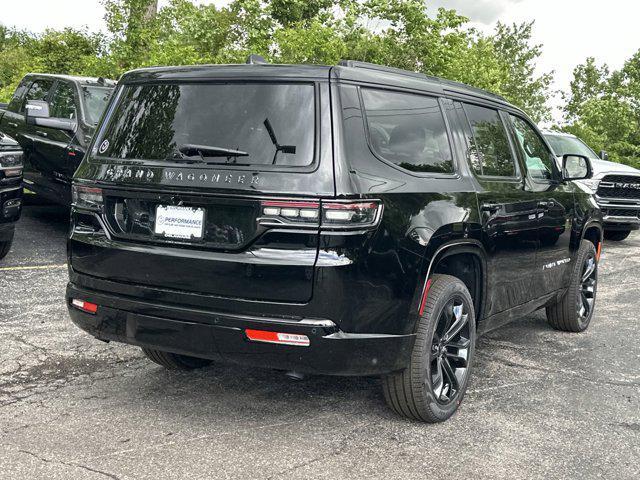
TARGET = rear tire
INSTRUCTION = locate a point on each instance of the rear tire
(574, 311)
(616, 235)
(432, 387)
(174, 361)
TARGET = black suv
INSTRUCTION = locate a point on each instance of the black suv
(10, 190)
(345, 220)
(53, 118)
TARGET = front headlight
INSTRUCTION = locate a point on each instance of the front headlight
(591, 184)
(11, 163)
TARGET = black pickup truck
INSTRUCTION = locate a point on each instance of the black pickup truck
(10, 190)
(53, 118)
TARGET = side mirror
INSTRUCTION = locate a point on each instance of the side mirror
(576, 167)
(603, 155)
(65, 124)
(36, 109)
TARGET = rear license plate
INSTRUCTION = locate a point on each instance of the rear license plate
(179, 222)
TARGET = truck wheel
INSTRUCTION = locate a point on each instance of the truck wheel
(174, 361)
(431, 388)
(5, 247)
(616, 235)
(574, 311)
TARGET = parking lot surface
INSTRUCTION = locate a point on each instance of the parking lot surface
(542, 404)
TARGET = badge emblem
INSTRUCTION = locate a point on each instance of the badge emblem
(104, 146)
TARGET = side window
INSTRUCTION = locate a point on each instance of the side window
(490, 144)
(15, 103)
(63, 104)
(533, 149)
(38, 91)
(408, 130)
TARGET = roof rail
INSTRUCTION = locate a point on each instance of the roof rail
(398, 71)
(381, 68)
(254, 59)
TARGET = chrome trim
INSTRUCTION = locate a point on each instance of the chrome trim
(616, 219)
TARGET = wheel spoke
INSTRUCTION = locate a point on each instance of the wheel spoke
(590, 268)
(450, 374)
(461, 321)
(447, 311)
(459, 358)
(437, 381)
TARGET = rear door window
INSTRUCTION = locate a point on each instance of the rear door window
(63, 103)
(408, 130)
(491, 152)
(232, 123)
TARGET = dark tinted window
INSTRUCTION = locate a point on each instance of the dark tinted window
(38, 91)
(95, 101)
(16, 100)
(244, 124)
(408, 130)
(63, 104)
(490, 143)
(537, 156)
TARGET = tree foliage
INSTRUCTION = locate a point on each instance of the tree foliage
(603, 108)
(401, 33)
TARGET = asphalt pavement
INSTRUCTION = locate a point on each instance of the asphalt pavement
(541, 404)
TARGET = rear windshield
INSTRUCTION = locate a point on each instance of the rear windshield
(234, 123)
(95, 101)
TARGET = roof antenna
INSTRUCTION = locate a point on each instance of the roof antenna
(254, 59)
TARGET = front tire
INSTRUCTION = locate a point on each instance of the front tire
(432, 387)
(574, 311)
(174, 361)
(616, 235)
(5, 247)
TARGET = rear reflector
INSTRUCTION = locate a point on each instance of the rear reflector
(87, 307)
(277, 337)
(423, 300)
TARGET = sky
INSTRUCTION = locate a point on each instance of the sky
(569, 30)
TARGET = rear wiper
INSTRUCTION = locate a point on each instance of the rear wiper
(190, 149)
(274, 140)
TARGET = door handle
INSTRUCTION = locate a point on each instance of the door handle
(12, 124)
(490, 207)
(41, 133)
(546, 205)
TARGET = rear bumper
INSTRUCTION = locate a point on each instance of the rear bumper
(221, 336)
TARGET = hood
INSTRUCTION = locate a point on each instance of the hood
(602, 167)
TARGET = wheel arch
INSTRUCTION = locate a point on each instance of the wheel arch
(593, 231)
(454, 258)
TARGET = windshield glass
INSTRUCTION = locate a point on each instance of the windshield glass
(564, 145)
(95, 101)
(238, 123)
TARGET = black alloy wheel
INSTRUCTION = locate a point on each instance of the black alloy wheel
(450, 351)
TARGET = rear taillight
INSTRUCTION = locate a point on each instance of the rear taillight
(87, 198)
(329, 214)
(85, 306)
(266, 336)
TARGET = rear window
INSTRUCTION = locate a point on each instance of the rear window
(239, 124)
(408, 130)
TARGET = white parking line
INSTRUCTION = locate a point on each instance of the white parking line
(32, 267)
